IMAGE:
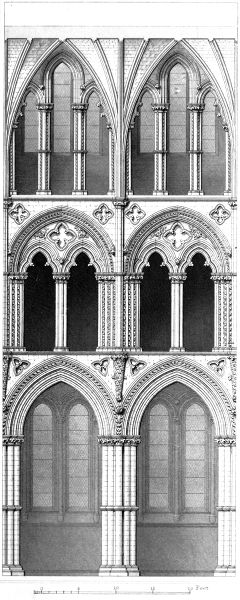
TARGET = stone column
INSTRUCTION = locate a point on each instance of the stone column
(61, 280)
(222, 311)
(11, 505)
(226, 507)
(44, 150)
(111, 159)
(177, 280)
(106, 311)
(119, 505)
(160, 152)
(132, 311)
(79, 151)
(12, 183)
(129, 162)
(195, 149)
(16, 310)
(228, 165)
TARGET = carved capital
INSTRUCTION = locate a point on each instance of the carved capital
(177, 277)
(106, 440)
(80, 107)
(61, 276)
(227, 442)
(13, 440)
(163, 107)
(47, 107)
(196, 107)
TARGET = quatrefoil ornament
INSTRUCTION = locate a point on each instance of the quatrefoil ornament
(62, 236)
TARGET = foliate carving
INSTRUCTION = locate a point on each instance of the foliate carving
(219, 214)
(103, 214)
(19, 214)
(136, 365)
(6, 365)
(135, 214)
(20, 365)
(40, 235)
(62, 236)
(233, 363)
(101, 366)
(217, 366)
(119, 365)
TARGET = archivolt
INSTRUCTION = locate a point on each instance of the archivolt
(191, 374)
(101, 244)
(46, 374)
(141, 242)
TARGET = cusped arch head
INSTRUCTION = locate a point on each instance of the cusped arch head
(191, 68)
(203, 235)
(47, 373)
(186, 371)
(74, 67)
(94, 241)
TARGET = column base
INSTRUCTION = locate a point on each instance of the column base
(43, 193)
(130, 193)
(113, 572)
(175, 349)
(13, 193)
(111, 193)
(119, 571)
(6, 571)
(79, 193)
(227, 193)
(17, 571)
(159, 193)
(225, 571)
(61, 349)
(195, 193)
(133, 571)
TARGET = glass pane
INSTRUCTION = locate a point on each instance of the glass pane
(177, 109)
(209, 124)
(42, 453)
(146, 124)
(78, 456)
(62, 108)
(158, 442)
(31, 124)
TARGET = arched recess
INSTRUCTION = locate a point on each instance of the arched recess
(48, 372)
(155, 306)
(82, 306)
(26, 144)
(186, 371)
(214, 146)
(97, 141)
(177, 489)
(157, 230)
(39, 305)
(198, 306)
(143, 142)
(33, 234)
(60, 485)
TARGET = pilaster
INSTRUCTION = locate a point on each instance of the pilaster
(11, 505)
(44, 150)
(195, 149)
(226, 507)
(79, 150)
(160, 151)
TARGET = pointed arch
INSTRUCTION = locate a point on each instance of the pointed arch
(151, 234)
(51, 371)
(96, 240)
(190, 373)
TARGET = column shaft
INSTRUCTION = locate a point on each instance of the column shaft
(177, 312)
(195, 149)
(111, 159)
(160, 152)
(60, 311)
(16, 310)
(12, 159)
(44, 149)
(129, 162)
(79, 151)
(226, 507)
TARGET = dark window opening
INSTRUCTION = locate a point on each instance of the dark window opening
(198, 307)
(39, 306)
(82, 306)
(155, 312)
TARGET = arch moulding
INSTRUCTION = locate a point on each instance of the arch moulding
(194, 376)
(47, 373)
(140, 243)
(102, 242)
